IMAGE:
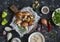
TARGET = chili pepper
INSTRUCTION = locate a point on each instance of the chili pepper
(49, 27)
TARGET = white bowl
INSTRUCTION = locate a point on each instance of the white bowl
(35, 34)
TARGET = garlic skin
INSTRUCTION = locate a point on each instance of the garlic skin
(8, 29)
(4, 32)
(9, 36)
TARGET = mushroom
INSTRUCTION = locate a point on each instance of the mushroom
(30, 23)
(28, 19)
(25, 17)
(26, 13)
(18, 21)
(24, 24)
(19, 15)
(26, 29)
(32, 17)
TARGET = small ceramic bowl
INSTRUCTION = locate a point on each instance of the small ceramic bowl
(38, 33)
(45, 10)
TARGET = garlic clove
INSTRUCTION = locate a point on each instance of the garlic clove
(9, 36)
(8, 29)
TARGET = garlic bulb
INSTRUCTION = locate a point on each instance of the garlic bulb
(9, 36)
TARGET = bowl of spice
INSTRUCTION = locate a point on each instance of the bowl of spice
(45, 10)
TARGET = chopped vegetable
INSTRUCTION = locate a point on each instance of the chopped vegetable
(21, 28)
(4, 22)
(4, 14)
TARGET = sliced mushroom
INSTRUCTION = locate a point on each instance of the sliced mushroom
(19, 13)
(19, 16)
(18, 21)
(32, 17)
(24, 24)
(26, 13)
(19, 24)
(26, 29)
(28, 19)
(25, 17)
(30, 23)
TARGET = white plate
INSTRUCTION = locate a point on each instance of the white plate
(38, 34)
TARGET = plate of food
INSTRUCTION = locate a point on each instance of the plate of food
(24, 20)
(36, 37)
(56, 17)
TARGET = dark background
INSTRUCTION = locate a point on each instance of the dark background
(52, 4)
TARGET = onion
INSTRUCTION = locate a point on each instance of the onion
(44, 22)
